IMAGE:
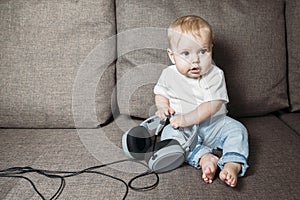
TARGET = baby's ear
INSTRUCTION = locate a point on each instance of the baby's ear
(171, 55)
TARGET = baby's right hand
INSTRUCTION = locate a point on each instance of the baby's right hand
(162, 113)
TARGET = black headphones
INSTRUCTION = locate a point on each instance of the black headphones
(140, 143)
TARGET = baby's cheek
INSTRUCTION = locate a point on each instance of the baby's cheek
(206, 58)
(205, 64)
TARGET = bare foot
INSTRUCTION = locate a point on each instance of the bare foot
(209, 167)
(230, 173)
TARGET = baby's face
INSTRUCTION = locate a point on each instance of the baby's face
(192, 56)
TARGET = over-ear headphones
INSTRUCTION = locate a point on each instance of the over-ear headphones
(140, 143)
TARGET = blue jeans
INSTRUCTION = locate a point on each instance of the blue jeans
(221, 132)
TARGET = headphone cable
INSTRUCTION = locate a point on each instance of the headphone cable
(16, 172)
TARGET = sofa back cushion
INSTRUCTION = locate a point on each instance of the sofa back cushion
(293, 41)
(45, 46)
(249, 45)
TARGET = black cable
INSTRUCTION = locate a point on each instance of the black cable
(146, 188)
(62, 184)
(154, 143)
(30, 181)
(11, 172)
(118, 179)
(15, 172)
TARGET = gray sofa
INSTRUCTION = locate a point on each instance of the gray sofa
(75, 75)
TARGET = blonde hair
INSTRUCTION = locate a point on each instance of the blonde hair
(193, 24)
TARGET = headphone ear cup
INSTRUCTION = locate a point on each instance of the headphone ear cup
(138, 142)
(166, 156)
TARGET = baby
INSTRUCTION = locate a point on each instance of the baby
(194, 90)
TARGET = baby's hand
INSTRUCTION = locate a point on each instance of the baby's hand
(162, 113)
(177, 121)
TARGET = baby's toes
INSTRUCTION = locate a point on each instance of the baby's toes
(206, 176)
(223, 175)
(233, 182)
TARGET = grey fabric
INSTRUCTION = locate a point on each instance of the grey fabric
(44, 44)
(53, 149)
(57, 69)
(293, 34)
(292, 120)
(272, 174)
(249, 45)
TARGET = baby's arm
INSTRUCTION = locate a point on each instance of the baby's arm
(203, 112)
(163, 106)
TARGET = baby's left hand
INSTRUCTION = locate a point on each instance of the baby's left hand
(177, 121)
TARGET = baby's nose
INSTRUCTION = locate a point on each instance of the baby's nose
(195, 58)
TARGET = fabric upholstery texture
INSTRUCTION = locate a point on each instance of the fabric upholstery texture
(274, 154)
(292, 13)
(43, 45)
(59, 79)
(292, 120)
(249, 45)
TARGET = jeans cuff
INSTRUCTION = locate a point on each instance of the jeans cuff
(195, 156)
(236, 158)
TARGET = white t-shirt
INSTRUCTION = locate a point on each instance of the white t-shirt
(185, 94)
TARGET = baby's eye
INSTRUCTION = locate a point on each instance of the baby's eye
(185, 53)
(203, 51)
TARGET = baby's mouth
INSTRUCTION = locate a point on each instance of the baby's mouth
(195, 70)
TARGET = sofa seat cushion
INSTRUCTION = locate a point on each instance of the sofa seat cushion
(292, 120)
(274, 153)
(272, 173)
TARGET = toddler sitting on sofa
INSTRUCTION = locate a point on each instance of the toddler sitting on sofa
(195, 90)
